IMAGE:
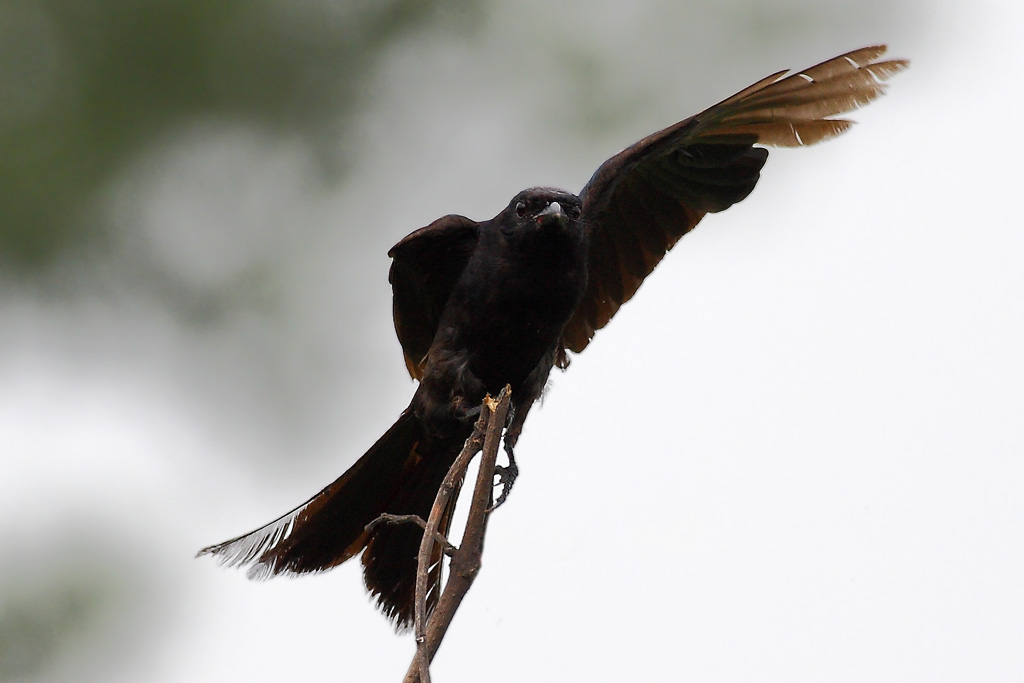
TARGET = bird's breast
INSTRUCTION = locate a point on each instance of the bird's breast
(514, 313)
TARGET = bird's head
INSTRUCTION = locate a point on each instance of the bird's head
(541, 210)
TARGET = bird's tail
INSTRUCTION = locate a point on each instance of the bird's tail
(400, 474)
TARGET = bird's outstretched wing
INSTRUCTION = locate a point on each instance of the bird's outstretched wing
(641, 201)
(425, 267)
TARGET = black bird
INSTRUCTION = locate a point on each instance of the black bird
(481, 305)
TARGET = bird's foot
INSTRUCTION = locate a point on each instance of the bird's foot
(506, 477)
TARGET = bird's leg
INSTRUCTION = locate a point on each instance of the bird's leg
(467, 414)
(507, 474)
(466, 385)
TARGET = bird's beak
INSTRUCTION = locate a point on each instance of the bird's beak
(553, 215)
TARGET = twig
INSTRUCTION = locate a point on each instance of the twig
(420, 667)
(388, 518)
(466, 559)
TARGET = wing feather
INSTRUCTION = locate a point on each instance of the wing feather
(640, 202)
(425, 266)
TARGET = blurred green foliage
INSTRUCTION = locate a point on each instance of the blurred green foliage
(74, 604)
(84, 84)
(33, 628)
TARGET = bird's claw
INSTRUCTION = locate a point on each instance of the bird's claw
(506, 477)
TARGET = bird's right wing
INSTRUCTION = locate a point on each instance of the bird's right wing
(425, 267)
(641, 201)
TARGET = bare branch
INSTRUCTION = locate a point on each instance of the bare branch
(466, 559)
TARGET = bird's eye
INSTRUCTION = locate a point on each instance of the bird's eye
(520, 209)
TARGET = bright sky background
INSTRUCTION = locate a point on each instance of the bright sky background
(796, 455)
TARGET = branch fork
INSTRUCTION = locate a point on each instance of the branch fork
(466, 558)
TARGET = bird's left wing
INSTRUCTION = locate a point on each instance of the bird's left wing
(425, 267)
(641, 201)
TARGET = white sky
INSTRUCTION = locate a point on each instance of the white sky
(796, 455)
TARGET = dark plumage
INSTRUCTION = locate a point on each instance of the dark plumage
(481, 305)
